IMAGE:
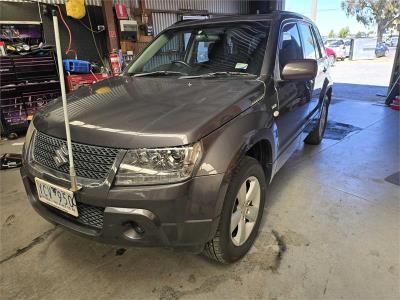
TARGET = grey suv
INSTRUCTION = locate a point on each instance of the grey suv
(180, 149)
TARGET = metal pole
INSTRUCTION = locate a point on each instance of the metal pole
(314, 10)
(72, 173)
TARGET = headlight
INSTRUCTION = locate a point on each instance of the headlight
(29, 134)
(28, 137)
(158, 166)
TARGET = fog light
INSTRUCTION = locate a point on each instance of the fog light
(139, 229)
(135, 232)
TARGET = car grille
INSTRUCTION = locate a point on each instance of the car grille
(90, 161)
(88, 215)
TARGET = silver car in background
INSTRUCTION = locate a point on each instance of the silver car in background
(339, 46)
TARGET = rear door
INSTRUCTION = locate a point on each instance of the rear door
(312, 50)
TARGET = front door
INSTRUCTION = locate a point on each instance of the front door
(293, 95)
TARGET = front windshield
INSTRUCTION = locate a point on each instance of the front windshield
(234, 48)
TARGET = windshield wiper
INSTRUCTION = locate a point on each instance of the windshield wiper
(160, 73)
(217, 74)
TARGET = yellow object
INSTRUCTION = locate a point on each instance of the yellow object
(103, 90)
(75, 8)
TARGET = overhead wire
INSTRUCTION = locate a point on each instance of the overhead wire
(94, 31)
(94, 40)
(69, 34)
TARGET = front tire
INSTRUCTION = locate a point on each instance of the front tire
(241, 213)
(317, 134)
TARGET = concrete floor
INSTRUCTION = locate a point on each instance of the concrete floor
(363, 79)
(329, 206)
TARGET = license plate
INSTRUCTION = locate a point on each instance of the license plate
(56, 196)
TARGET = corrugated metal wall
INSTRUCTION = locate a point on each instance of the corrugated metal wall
(162, 20)
(87, 2)
(212, 6)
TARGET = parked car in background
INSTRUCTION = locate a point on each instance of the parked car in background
(331, 55)
(179, 150)
(337, 45)
(381, 49)
(347, 44)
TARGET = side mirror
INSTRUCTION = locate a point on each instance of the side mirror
(302, 69)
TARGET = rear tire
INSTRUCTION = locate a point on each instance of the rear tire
(248, 183)
(317, 134)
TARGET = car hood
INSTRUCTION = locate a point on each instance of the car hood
(134, 112)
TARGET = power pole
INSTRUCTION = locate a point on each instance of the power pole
(314, 10)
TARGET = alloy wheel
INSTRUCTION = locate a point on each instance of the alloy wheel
(245, 210)
(322, 120)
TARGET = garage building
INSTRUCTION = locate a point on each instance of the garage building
(330, 226)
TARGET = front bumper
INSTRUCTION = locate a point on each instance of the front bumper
(174, 215)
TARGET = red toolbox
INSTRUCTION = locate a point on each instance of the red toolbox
(76, 81)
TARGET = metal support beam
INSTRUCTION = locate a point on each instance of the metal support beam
(108, 14)
(394, 85)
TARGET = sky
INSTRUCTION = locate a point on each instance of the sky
(329, 15)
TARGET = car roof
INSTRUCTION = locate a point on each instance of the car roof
(241, 18)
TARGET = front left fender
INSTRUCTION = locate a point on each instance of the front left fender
(224, 147)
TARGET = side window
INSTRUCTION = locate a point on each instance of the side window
(202, 51)
(290, 45)
(309, 46)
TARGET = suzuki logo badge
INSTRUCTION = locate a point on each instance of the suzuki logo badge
(61, 157)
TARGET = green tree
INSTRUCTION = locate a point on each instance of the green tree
(344, 32)
(361, 34)
(381, 13)
(331, 34)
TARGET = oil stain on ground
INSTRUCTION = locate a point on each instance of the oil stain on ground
(265, 255)
(293, 238)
